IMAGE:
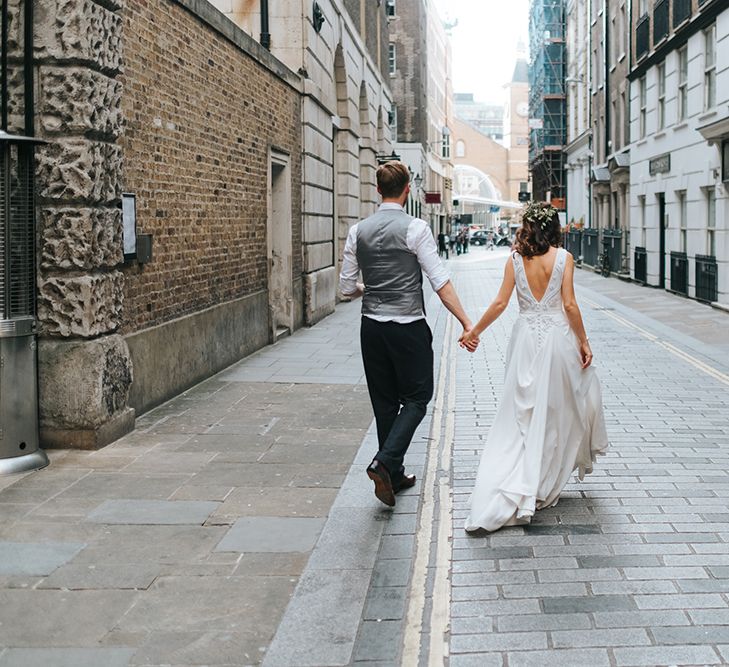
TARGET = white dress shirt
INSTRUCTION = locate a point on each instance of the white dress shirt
(420, 242)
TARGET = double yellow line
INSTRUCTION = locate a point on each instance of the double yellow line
(685, 356)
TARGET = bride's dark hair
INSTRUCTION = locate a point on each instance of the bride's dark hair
(540, 230)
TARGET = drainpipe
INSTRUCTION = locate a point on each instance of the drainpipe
(265, 34)
(28, 69)
(4, 67)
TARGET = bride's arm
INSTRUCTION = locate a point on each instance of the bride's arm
(498, 305)
(572, 310)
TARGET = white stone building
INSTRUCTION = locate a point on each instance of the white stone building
(680, 128)
(578, 150)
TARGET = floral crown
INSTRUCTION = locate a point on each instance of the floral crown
(540, 212)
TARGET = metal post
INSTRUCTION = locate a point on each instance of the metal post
(265, 34)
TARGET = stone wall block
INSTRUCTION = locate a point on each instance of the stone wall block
(99, 373)
(79, 170)
(78, 30)
(75, 100)
(16, 100)
(82, 306)
(81, 238)
(15, 30)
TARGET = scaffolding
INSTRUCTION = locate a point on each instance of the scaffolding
(547, 100)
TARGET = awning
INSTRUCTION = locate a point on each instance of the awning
(715, 131)
(487, 201)
(619, 161)
(600, 175)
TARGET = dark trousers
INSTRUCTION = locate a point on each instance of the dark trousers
(398, 363)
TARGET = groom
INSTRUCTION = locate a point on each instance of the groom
(393, 250)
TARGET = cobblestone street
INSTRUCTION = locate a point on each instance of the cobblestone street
(236, 525)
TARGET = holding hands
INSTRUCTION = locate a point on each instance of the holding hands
(469, 339)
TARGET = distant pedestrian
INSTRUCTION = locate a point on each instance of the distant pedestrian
(442, 247)
(393, 250)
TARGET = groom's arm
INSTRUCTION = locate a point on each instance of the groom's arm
(450, 300)
(348, 285)
(421, 241)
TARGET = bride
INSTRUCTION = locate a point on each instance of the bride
(550, 421)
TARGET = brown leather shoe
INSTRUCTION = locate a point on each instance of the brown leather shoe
(379, 474)
(407, 482)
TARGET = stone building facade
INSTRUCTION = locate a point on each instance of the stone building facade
(578, 151)
(421, 79)
(162, 100)
(340, 49)
(679, 159)
(610, 93)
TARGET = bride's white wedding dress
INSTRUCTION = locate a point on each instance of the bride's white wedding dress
(550, 421)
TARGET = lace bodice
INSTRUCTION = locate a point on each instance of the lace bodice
(552, 299)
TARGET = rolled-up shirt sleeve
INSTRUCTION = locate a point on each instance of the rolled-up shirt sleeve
(421, 242)
(350, 266)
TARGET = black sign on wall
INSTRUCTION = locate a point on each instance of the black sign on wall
(660, 164)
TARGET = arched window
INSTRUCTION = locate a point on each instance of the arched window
(460, 148)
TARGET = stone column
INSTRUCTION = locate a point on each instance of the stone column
(85, 369)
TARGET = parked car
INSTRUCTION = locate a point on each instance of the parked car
(479, 237)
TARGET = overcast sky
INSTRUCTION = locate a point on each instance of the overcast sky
(484, 43)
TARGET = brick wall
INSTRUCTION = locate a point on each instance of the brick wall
(201, 115)
(409, 86)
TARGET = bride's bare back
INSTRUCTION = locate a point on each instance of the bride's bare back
(539, 270)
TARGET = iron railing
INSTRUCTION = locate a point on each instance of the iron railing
(612, 240)
(706, 278)
(590, 246)
(679, 273)
(640, 265)
(573, 242)
(642, 37)
(660, 21)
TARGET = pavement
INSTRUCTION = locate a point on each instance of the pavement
(236, 525)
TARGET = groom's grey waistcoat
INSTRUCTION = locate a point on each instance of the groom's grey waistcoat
(392, 275)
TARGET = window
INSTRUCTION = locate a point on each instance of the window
(612, 44)
(682, 83)
(710, 67)
(446, 146)
(682, 219)
(626, 118)
(390, 8)
(642, 102)
(661, 96)
(711, 222)
(641, 207)
(460, 148)
(392, 59)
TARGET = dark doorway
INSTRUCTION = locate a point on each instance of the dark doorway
(662, 240)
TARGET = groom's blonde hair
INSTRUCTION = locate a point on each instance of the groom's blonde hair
(392, 179)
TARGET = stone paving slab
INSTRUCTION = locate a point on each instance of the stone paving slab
(153, 512)
(271, 534)
(66, 657)
(39, 558)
